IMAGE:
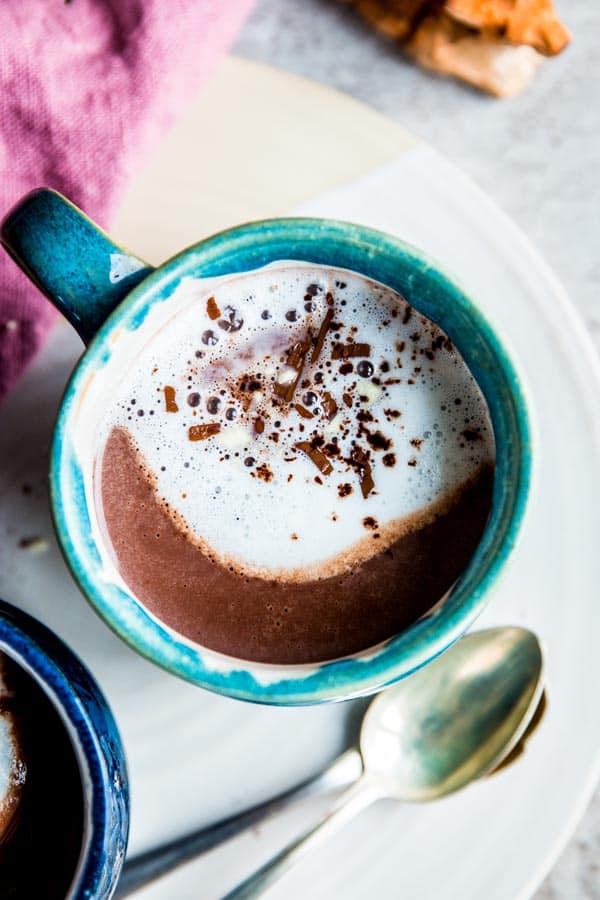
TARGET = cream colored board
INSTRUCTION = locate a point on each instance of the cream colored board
(255, 143)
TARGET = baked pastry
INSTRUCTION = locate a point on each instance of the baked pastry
(494, 45)
(531, 22)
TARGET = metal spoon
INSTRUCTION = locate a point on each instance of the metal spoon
(153, 864)
(512, 649)
(440, 729)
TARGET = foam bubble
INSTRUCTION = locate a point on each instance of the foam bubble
(353, 384)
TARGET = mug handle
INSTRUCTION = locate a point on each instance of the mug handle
(72, 261)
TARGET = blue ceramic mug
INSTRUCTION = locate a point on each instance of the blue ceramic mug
(107, 293)
(95, 739)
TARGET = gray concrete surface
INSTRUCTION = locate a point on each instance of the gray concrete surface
(537, 155)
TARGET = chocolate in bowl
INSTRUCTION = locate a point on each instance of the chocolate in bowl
(41, 794)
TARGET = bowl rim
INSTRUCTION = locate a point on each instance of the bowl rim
(43, 655)
(258, 243)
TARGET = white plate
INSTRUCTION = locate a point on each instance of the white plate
(195, 757)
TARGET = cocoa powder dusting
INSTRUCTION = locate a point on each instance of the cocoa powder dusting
(264, 473)
(378, 441)
(212, 309)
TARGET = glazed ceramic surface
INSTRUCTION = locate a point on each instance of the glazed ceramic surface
(96, 740)
(74, 275)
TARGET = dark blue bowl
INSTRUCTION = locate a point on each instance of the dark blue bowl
(96, 741)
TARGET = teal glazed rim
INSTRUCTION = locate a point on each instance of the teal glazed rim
(411, 273)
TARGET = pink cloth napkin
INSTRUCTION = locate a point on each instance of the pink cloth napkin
(87, 88)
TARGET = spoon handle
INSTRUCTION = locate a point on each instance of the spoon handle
(147, 867)
(352, 801)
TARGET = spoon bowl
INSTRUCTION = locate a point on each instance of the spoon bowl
(456, 719)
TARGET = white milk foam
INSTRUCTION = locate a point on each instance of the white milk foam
(248, 494)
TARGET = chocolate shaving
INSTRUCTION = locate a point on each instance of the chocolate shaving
(321, 336)
(360, 460)
(295, 360)
(202, 432)
(303, 411)
(316, 456)
(170, 405)
(366, 481)
(329, 405)
(347, 399)
(259, 426)
(212, 309)
(346, 351)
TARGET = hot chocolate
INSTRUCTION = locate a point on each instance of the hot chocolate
(296, 466)
(41, 797)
